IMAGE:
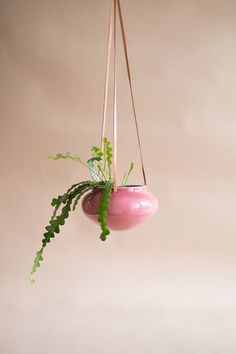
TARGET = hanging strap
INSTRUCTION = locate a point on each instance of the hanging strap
(114, 165)
(104, 114)
(131, 87)
(112, 28)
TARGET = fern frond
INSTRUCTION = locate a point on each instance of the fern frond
(37, 260)
(62, 199)
(92, 169)
(65, 155)
(76, 158)
(126, 175)
(108, 155)
(56, 222)
(76, 200)
(102, 210)
(96, 152)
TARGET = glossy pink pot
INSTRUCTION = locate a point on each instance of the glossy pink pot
(128, 206)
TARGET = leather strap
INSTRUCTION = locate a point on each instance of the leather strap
(113, 30)
(131, 87)
(114, 107)
(104, 114)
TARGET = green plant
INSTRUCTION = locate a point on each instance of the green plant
(100, 169)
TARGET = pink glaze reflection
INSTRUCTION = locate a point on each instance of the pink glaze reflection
(129, 206)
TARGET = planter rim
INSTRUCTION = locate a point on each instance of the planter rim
(129, 187)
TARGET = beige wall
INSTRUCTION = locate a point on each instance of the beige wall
(169, 286)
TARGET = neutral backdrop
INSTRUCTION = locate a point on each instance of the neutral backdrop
(169, 286)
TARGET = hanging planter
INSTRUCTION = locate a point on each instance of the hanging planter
(111, 206)
(129, 206)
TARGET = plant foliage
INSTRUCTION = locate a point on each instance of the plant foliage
(102, 210)
(126, 175)
(100, 169)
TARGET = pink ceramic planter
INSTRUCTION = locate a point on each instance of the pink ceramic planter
(128, 206)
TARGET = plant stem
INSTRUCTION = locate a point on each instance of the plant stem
(124, 180)
(91, 169)
(102, 171)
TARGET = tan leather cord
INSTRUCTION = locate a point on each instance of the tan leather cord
(107, 75)
(112, 30)
(131, 88)
(114, 108)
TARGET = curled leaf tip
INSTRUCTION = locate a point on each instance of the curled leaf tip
(32, 280)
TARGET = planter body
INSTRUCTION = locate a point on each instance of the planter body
(128, 206)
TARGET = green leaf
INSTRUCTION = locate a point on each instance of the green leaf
(126, 176)
(96, 152)
(37, 260)
(65, 155)
(108, 151)
(102, 210)
(57, 202)
(76, 200)
(101, 165)
(53, 227)
(92, 168)
(108, 156)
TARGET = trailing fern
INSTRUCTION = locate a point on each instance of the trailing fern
(53, 228)
(102, 210)
(100, 169)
